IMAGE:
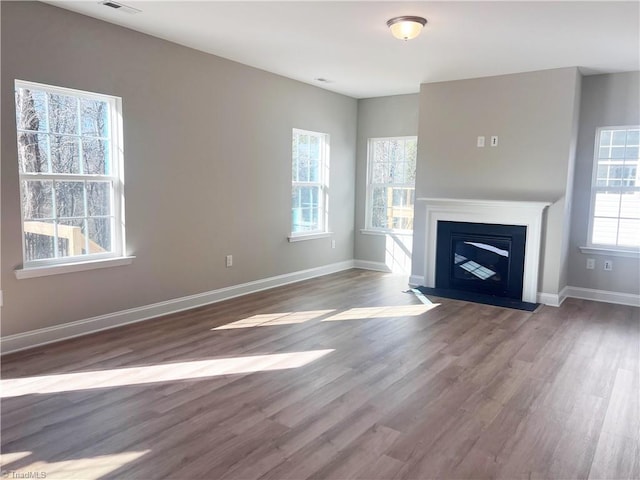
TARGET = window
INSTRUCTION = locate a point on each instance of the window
(391, 178)
(615, 191)
(310, 182)
(70, 171)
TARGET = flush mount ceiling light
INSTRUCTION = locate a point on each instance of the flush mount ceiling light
(406, 28)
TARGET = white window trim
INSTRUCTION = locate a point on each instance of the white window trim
(369, 229)
(598, 248)
(37, 268)
(323, 183)
(308, 236)
(34, 272)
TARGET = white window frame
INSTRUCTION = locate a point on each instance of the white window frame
(601, 248)
(322, 183)
(116, 256)
(369, 228)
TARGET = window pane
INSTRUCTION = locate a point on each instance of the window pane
(396, 173)
(629, 234)
(69, 199)
(98, 198)
(37, 199)
(95, 118)
(605, 137)
(380, 172)
(631, 153)
(633, 137)
(314, 148)
(99, 235)
(379, 217)
(39, 237)
(63, 114)
(396, 151)
(71, 237)
(379, 197)
(605, 152)
(33, 152)
(65, 153)
(31, 110)
(619, 137)
(607, 204)
(605, 231)
(630, 206)
(95, 155)
(303, 168)
(617, 152)
(411, 156)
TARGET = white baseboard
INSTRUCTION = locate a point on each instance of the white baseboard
(43, 336)
(604, 296)
(367, 265)
(552, 299)
(416, 281)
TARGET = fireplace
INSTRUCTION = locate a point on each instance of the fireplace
(481, 258)
(525, 214)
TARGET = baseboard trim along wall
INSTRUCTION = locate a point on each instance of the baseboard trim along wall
(367, 265)
(630, 299)
(43, 336)
(552, 299)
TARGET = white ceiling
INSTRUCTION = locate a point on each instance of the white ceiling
(349, 44)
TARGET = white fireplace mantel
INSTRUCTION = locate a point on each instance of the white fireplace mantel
(501, 212)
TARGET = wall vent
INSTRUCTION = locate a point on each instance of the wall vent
(119, 6)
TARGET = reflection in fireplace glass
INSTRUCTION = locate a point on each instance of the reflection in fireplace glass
(484, 260)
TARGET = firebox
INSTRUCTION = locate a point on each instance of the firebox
(481, 258)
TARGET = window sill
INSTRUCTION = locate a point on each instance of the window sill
(404, 233)
(611, 251)
(310, 236)
(33, 272)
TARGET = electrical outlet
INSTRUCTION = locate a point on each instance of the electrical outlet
(608, 265)
(333, 244)
(591, 263)
(480, 141)
(229, 260)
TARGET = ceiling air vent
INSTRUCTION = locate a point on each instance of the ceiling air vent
(120, 6)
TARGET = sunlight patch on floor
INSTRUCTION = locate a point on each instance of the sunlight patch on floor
(167, 372)
(271, 319)
(89, 468)
(382, 312)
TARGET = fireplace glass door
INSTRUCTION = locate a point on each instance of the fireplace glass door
(481, 258)
(480, 263)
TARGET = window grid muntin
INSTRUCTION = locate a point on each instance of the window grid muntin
(319, 211)
(113, 164)
(373, 166)
(630, 161)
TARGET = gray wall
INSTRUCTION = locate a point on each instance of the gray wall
(207, 166)
(607, 100)
(395, 116)
(534, 115)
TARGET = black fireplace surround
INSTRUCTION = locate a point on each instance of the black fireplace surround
(481, 258)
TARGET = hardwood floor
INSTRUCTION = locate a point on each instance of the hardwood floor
(343, 376)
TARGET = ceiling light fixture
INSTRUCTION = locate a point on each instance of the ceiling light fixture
(406, 28)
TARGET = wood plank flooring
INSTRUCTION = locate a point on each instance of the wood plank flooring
(343, 376)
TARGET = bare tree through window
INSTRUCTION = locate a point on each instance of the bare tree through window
(67, 175)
